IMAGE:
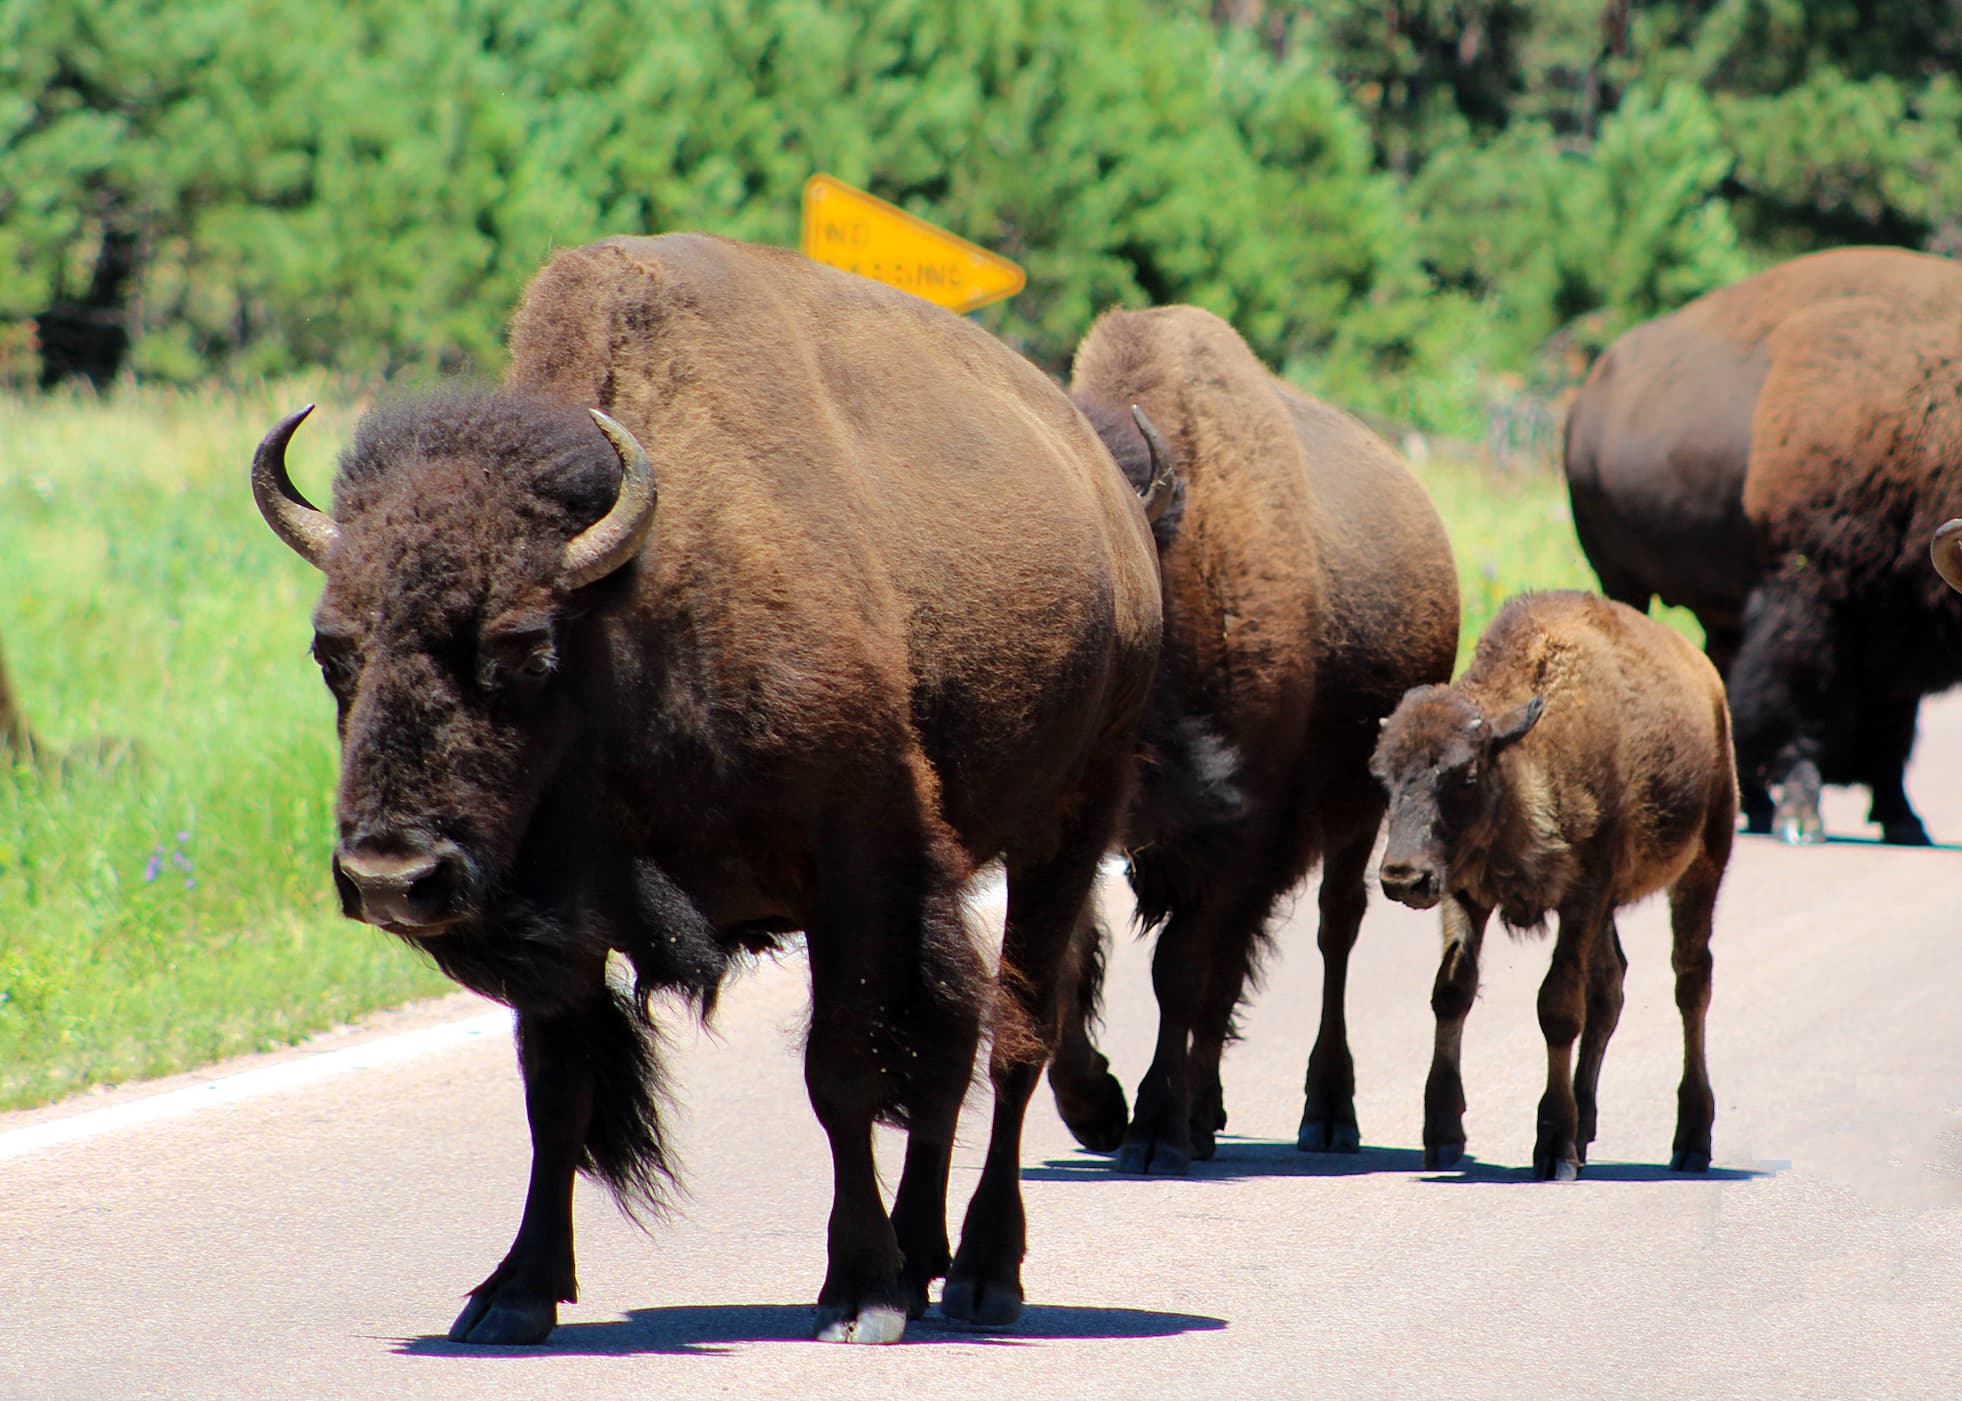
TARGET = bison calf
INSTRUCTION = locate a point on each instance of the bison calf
(1582, 762)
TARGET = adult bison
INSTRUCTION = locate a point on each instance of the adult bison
(1582, 762)
(1773, 456)
(1308, 583)
(837, 600)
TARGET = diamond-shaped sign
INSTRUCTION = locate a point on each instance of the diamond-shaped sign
(850, 229)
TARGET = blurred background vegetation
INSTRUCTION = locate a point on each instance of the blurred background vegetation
(1406, 204)
(1430, 211)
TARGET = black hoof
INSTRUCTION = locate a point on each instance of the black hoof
(1144, 1158)
(1096, 1112)
(1442, 1157)
(1550, 1169)
(1317, 1136)
(487, 1322)
(1690, 1162)
(981, 1304)
(875, 1324)
(1907, 832)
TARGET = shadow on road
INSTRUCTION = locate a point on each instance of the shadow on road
(1242, 1158)
(707, 1329)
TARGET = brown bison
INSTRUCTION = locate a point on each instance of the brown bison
(838, 601)
(1946, 548)
(1582, 762)
(1307, 585)
(1772, 457)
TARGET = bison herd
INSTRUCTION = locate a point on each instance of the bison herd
(763, 599)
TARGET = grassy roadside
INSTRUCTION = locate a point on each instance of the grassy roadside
(167, 911)
(174, 908)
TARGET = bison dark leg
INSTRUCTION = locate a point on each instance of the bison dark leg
(1692, 902)
(1045, 899)
(1451, 999)
(856, 945)
(1777, 688)
(1563, 1012)
(1605, 976)
(940, 1033)
(519, 1302)
(1887, 736)
(1088, 1098)
(1328, 1115)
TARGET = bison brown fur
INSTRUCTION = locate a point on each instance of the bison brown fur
(762, 598)
(1307, 584)
(1582, 762)
(1774, 457)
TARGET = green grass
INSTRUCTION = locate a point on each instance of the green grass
(168, 911)
(175, 908)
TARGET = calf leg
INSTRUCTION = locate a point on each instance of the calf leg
(519, 1302)
(1451, 999)
(1563, 1010)
(1045, 898)
(1605, 977)
(1692, 902)
(1328, 1116)
(1088, 1097)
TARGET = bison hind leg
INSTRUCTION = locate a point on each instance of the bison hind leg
(1089, 1100)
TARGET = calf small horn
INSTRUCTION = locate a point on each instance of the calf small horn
(310, 532)
(1947, 550)
(615, 537)
(1159, 494)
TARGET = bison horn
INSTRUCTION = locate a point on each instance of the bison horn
(615, 537)
(1159, 494)
(1947, 550)
(311, 532)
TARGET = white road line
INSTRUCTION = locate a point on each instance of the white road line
(252, 1084)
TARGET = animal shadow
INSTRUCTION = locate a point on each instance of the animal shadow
(1238, 1159)
(706, 1330)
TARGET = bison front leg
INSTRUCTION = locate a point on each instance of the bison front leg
(1563, 1014)
(519, 1302)
(846, 1075)
(1328, 1115)
(1452, 996)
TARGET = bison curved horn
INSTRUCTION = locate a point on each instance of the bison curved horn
(615, 537)
(1947, 550)
(1159, 495)
(310, 532)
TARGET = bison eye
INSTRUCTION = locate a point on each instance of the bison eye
(338, 665)
(537, 666)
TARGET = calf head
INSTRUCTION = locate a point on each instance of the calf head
(1437, 761)
(468, 535)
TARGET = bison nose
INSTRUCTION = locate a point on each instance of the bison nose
(1416, 886)
(408, 893)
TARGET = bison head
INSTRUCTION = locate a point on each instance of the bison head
(468, 537)
(1437, 761)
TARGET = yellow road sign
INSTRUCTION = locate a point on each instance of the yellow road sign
(861, 233)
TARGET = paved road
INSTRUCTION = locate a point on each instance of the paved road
(315, 1243)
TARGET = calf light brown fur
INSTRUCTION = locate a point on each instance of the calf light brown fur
(1582, 762)
(1308, 584)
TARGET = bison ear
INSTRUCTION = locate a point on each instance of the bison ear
(1514, 724)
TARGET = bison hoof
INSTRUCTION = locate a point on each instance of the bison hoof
(1141, 1157)
(836, 1324)
(1557, 1170)
(1799, 831)
(1908, 831)
(1689, 1161)
(1442, 1157)
(486, 1321)
(1319, 1137)
(1097, 1114)
(982, 1304)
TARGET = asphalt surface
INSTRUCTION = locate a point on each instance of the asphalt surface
(316, 1242)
